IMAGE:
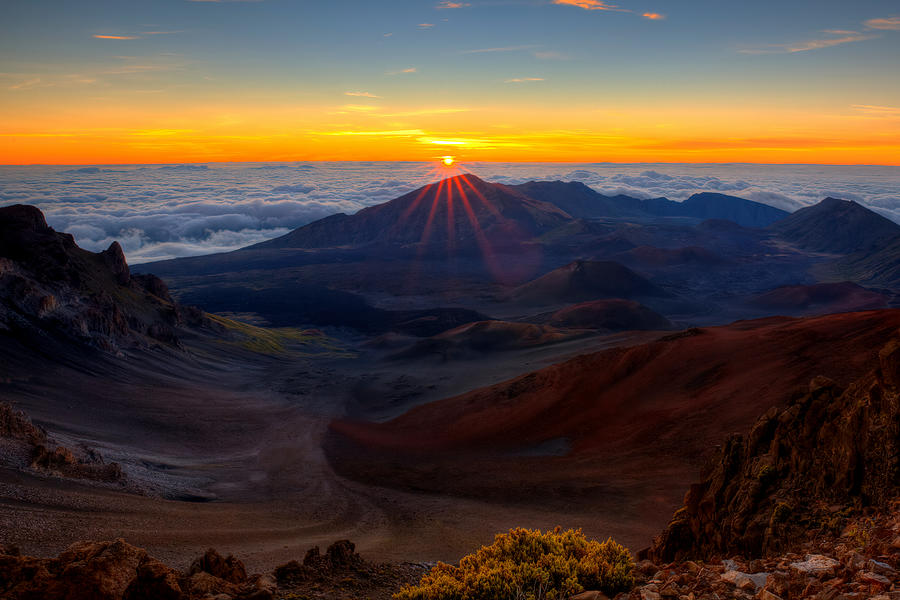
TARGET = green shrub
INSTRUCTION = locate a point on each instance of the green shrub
(526, 564)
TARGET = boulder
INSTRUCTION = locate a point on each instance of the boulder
(230, 569)
(816, 565)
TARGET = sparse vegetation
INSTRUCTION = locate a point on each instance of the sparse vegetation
(526, 564)
(780, 514)
(276, 340)
(859, 532)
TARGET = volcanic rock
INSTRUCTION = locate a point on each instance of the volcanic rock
(51, 288)
(829, 447)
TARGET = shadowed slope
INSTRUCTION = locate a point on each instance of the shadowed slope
(837, 226)
(481, 339)
(583, 202)
(881, 268)
(579, 200)
(709, 205)
(823, 297)
(613, 314)
(584, 280)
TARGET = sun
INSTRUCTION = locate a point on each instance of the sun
(448, 161)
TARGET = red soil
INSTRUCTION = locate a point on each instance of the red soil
(676, 396)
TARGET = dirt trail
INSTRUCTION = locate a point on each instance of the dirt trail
(245, 432)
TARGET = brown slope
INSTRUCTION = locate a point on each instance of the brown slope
(613, 314)
(584, 280)
(824, 297)
(657, 407)
(481, 338)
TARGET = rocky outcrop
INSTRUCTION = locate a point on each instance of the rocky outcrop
(340, 557)
(51, 288)
(119, 571)
(831, 452)
(26, 446)
(860, 562)
(230, 569)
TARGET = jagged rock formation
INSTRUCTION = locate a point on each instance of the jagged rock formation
(51, 287)
(26, 446)
(117, 570)
(859, 563)
(828, 450)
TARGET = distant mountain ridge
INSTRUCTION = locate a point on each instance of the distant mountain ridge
(454, 210)
(464, 208)
(583, 202)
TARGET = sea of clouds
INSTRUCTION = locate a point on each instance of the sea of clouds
(165, 211)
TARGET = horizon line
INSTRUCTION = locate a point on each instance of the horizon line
(428, 161)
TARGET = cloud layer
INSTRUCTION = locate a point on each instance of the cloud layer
(159, 212)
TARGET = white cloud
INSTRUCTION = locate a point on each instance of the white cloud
(162, 211)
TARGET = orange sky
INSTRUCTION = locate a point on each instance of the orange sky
(204, 133)
(174, 82)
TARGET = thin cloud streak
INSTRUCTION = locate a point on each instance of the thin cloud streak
(426, 111)
(500, 49)
(875, 110)
(592, 5)
(117, 37)
(891, 23)
(388, 133)
(523, 79)
(24, 85)
(653, 16)
(808, 45)
(361, 94)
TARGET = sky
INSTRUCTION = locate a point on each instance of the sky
(180, 81)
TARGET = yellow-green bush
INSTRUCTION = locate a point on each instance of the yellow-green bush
(526, 564)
